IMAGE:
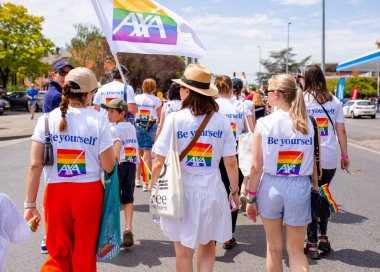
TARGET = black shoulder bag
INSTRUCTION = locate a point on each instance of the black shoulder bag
(48, 150)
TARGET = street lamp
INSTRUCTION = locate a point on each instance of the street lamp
(323, 37)
(259, 47)
(287, 50)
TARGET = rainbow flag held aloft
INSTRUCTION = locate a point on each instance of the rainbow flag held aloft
(233, 125)
(145, 172)
(130, 154)
(325, 192)
(200, 155)
(144, 114)
(146, 27)
(323, 125)
(289, 163)
(71, 162)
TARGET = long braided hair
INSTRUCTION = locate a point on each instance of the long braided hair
(66, 94)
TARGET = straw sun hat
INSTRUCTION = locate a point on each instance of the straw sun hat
(198, 79)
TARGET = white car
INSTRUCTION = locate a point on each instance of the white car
(359, 108)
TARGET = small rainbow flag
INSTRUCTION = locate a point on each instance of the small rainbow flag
(130, 154)
(289, 163)
(325, 192)
(109, 99)
(71, 162)
(323, 125)
(233, 125)
(144, 114)
(145, 172)
(200, 155)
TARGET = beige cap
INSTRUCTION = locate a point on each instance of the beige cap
(85, 79)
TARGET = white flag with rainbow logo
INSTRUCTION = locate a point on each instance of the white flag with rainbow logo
(146, 27)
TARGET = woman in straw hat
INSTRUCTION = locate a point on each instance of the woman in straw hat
(207, 215)
(283, 161)
(82, 148)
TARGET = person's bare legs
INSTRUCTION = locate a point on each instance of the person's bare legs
(206, 257)
(273, 234)
(243, 188)
(128, 214)
(294, 246)
(183, 258)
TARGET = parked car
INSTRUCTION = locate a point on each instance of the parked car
(4, 105)
(359, 108)
(18, 100)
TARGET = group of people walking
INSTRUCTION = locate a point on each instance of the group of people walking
(127, 129)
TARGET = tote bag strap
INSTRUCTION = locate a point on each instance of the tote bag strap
(316, 146)
(47, 131)
(245, 117)
(197, 135)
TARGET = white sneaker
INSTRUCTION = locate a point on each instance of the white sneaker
(138, 184)
(145, 187)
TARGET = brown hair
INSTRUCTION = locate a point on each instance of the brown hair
(224, 84)
(200, 104)
(315, 84)
(66, 94)
(149, 85)
(287, 87)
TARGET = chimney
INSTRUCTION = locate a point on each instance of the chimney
(378, 43)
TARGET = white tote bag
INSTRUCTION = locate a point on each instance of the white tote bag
(167, 195)
(245, 149)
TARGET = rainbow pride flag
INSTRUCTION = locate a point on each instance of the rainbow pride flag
(233, 125)
(145, 172)
(130, 154)
(289, 163)
(325, 192)
(71, 162)
(323, 125)
(109, 99)
(200, 155)
(144, 114)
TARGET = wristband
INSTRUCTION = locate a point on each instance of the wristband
(251, 201)
(252, 193)
(236, 193)
(28, 205)
(344, 157)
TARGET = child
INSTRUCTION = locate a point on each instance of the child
(126, 149)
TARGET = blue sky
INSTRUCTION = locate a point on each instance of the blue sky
(231, 30)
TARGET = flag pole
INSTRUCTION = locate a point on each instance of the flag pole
(118, 66)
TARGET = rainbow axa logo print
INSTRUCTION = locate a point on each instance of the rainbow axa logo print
(323, 125)
(71, 162)
(200, 155)
(136, 21)
(289, 163)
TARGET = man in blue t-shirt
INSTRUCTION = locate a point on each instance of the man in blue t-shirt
(32, 95)
(53, 95)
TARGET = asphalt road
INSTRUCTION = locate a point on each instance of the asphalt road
(354, 232)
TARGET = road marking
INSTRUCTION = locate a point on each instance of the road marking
(364, 148)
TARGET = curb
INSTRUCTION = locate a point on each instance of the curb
(15, 137)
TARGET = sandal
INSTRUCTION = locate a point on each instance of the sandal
(311, 250)
(230, 244)
(324, 246)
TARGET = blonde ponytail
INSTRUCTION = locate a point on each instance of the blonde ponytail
(298, 113)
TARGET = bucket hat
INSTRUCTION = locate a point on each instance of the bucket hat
(198, 79)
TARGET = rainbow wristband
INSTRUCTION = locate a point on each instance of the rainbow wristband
(251, 193)
(235, 194)
(344, 157)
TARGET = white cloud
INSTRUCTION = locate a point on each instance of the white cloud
(188, 9)
(297, 2)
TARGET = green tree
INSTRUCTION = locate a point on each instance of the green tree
(22, 44)
(367, 86)
(276, 64)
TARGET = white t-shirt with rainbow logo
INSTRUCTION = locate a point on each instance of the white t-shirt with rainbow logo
(77, 149)
(126, 132)
(147, 105)
(234, 110)
(285, 152)
(216, 141)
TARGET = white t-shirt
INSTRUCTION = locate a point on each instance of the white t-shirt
(77, 149)
(215, 142)
(13, 227)
(235, 111)
(112, 90)
(172, 106)
(147, 105)
(329, 143)
(285, 152)
(126, 132)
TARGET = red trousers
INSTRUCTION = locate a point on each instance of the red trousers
(72, 213)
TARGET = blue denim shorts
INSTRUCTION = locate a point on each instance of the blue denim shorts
(146, 138)
(285, 197)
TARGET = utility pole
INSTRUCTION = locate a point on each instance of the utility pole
(287, 51)
(258, 46)
(323, 37)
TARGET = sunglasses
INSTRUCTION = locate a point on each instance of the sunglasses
(94, 91)
(62, 72)
(271, 91)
